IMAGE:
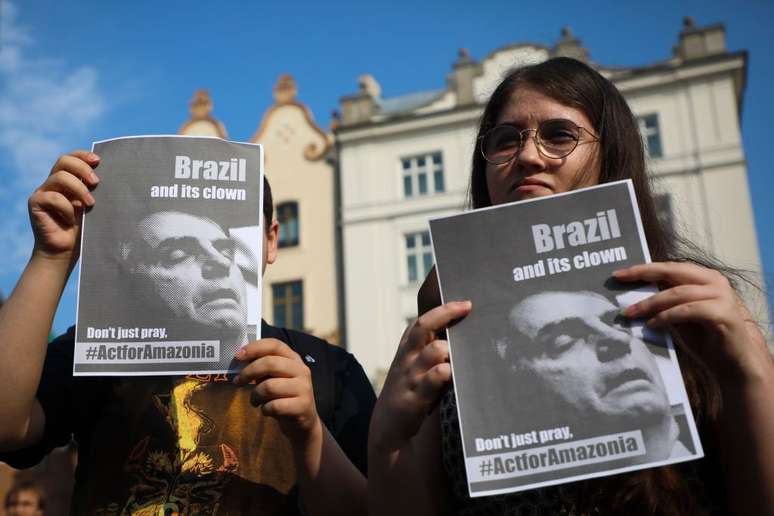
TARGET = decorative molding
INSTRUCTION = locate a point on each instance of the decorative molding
(285, 92)
(201, 111)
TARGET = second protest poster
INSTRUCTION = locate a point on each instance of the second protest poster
(552, 383)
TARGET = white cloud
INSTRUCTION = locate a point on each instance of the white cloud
(12, 34)
(43, 104)
(46, 106)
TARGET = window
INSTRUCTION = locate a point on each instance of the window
(651, 135)
(423, 175)
(288, 302)
(419, 256)
(287, 216)
(664, 210)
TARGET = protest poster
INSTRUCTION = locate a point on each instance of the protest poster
(170, 276)
(552, 383)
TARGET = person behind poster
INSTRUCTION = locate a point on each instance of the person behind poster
(25, 498)
(549, 128)
(177, 445)
(575, 352)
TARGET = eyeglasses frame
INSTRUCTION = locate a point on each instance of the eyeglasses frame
(538, 142)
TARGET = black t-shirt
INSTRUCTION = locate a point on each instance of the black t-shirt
(190, 445)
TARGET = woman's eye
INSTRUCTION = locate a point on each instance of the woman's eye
(505, 143)
(502, 138)
(563, 136)
(558, 132)
(508, 141)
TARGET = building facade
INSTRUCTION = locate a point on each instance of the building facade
(405, 160)
(299, 290)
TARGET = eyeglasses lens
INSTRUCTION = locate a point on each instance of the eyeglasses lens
(501, 144)
(558, 138)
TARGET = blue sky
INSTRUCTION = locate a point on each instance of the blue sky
(75, 72)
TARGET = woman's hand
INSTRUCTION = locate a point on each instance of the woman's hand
(283, 388)
(416, 379)
(55, 208)
(702, 306)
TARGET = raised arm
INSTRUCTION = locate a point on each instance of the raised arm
(55, 210)
(702, 306)
(400, 456)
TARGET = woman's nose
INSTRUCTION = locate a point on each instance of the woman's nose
(528, 154)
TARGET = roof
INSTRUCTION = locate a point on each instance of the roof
(407, 103)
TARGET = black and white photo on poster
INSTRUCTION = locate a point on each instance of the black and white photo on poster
(553, 384)
(170, 276)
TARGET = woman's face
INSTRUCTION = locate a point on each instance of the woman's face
(530, 174)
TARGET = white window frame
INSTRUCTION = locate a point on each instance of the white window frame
(647, 132)
(419, 252)
(414, 171)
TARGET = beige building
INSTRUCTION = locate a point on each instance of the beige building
(300, 289)
(405, 160)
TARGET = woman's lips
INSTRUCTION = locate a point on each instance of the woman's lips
(530, 185)
(529, 188)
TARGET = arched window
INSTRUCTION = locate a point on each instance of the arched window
(287, 216)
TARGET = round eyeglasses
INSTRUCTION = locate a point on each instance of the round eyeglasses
(555, 138)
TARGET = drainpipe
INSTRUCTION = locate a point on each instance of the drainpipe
(339, 235)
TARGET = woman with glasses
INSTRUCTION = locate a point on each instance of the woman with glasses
(550, 128)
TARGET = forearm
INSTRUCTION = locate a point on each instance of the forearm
(396, 476)
(329, 483)
(403, 440)
(25, 323)
(744, 432)
(395, 485)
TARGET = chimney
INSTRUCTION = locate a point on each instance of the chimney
(363, 105)
(461, 80)
(697, 42)
(570, 46)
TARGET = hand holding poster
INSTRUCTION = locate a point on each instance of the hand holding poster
(170, 257)
(553, 384)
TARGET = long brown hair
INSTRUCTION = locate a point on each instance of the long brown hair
(621, 155)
